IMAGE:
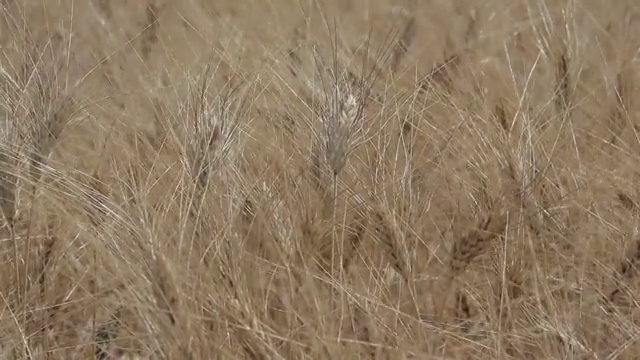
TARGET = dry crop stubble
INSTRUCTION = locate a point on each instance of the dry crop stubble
(319, 179)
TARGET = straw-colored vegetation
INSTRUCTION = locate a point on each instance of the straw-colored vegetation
(335, 179)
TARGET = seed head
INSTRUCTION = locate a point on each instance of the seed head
(341, 125)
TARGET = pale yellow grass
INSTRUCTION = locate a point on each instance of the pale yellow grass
(341, 179)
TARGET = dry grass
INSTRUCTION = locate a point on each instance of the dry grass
(319, 179)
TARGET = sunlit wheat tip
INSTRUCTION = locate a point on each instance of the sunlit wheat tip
(341, 124)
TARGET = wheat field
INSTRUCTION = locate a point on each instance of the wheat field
(319, 179)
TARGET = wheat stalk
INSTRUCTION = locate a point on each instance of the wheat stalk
(327, 252)
(213, 142)
(8, 186)
(341, 123)
(49, 119)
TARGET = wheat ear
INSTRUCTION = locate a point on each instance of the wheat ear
(167, 297)
(388, 233)
(341, 128)
(628, 267)
(405, 39)
(500, 114)
(164, 290)
(510, 288)
(476, 241)
(627, 202)
(97, 200)
(48, 127)
(462, 311)
(8, 176)
(341, 124)
(439, 74)
(105, 336)
(150, 33)
(354, 240)
(617, 122)
(563, 80)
